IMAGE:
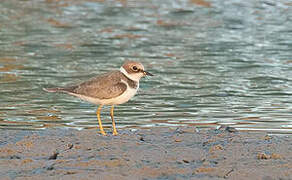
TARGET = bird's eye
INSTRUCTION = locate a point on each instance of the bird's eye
(135, 68)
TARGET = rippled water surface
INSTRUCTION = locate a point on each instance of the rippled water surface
(215, 62)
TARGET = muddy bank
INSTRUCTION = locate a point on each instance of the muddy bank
(156, 153)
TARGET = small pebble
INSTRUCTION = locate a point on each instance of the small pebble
(263, 156)
(54, 156)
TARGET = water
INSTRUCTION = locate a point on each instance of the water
(215, 63)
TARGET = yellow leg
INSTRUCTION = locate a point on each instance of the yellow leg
(113, 121)
(99, 121)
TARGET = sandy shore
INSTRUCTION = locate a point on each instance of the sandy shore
(156, 153)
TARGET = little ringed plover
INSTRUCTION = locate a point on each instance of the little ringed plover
(112, 88)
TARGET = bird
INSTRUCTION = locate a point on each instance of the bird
(111, 88)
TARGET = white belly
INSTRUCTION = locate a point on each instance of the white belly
(126, 96)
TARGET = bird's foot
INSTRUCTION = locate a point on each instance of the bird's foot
(103, 132)
(115, 133)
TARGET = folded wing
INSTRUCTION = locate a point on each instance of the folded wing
(104, 86)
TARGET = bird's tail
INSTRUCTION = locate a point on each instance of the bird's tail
(55, 89)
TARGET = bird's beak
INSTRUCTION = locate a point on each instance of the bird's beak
(147, 73)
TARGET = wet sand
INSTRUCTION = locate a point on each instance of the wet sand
(156, 153)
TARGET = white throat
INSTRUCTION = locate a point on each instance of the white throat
(135, 77)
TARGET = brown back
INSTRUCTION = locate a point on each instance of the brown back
(104, 86)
